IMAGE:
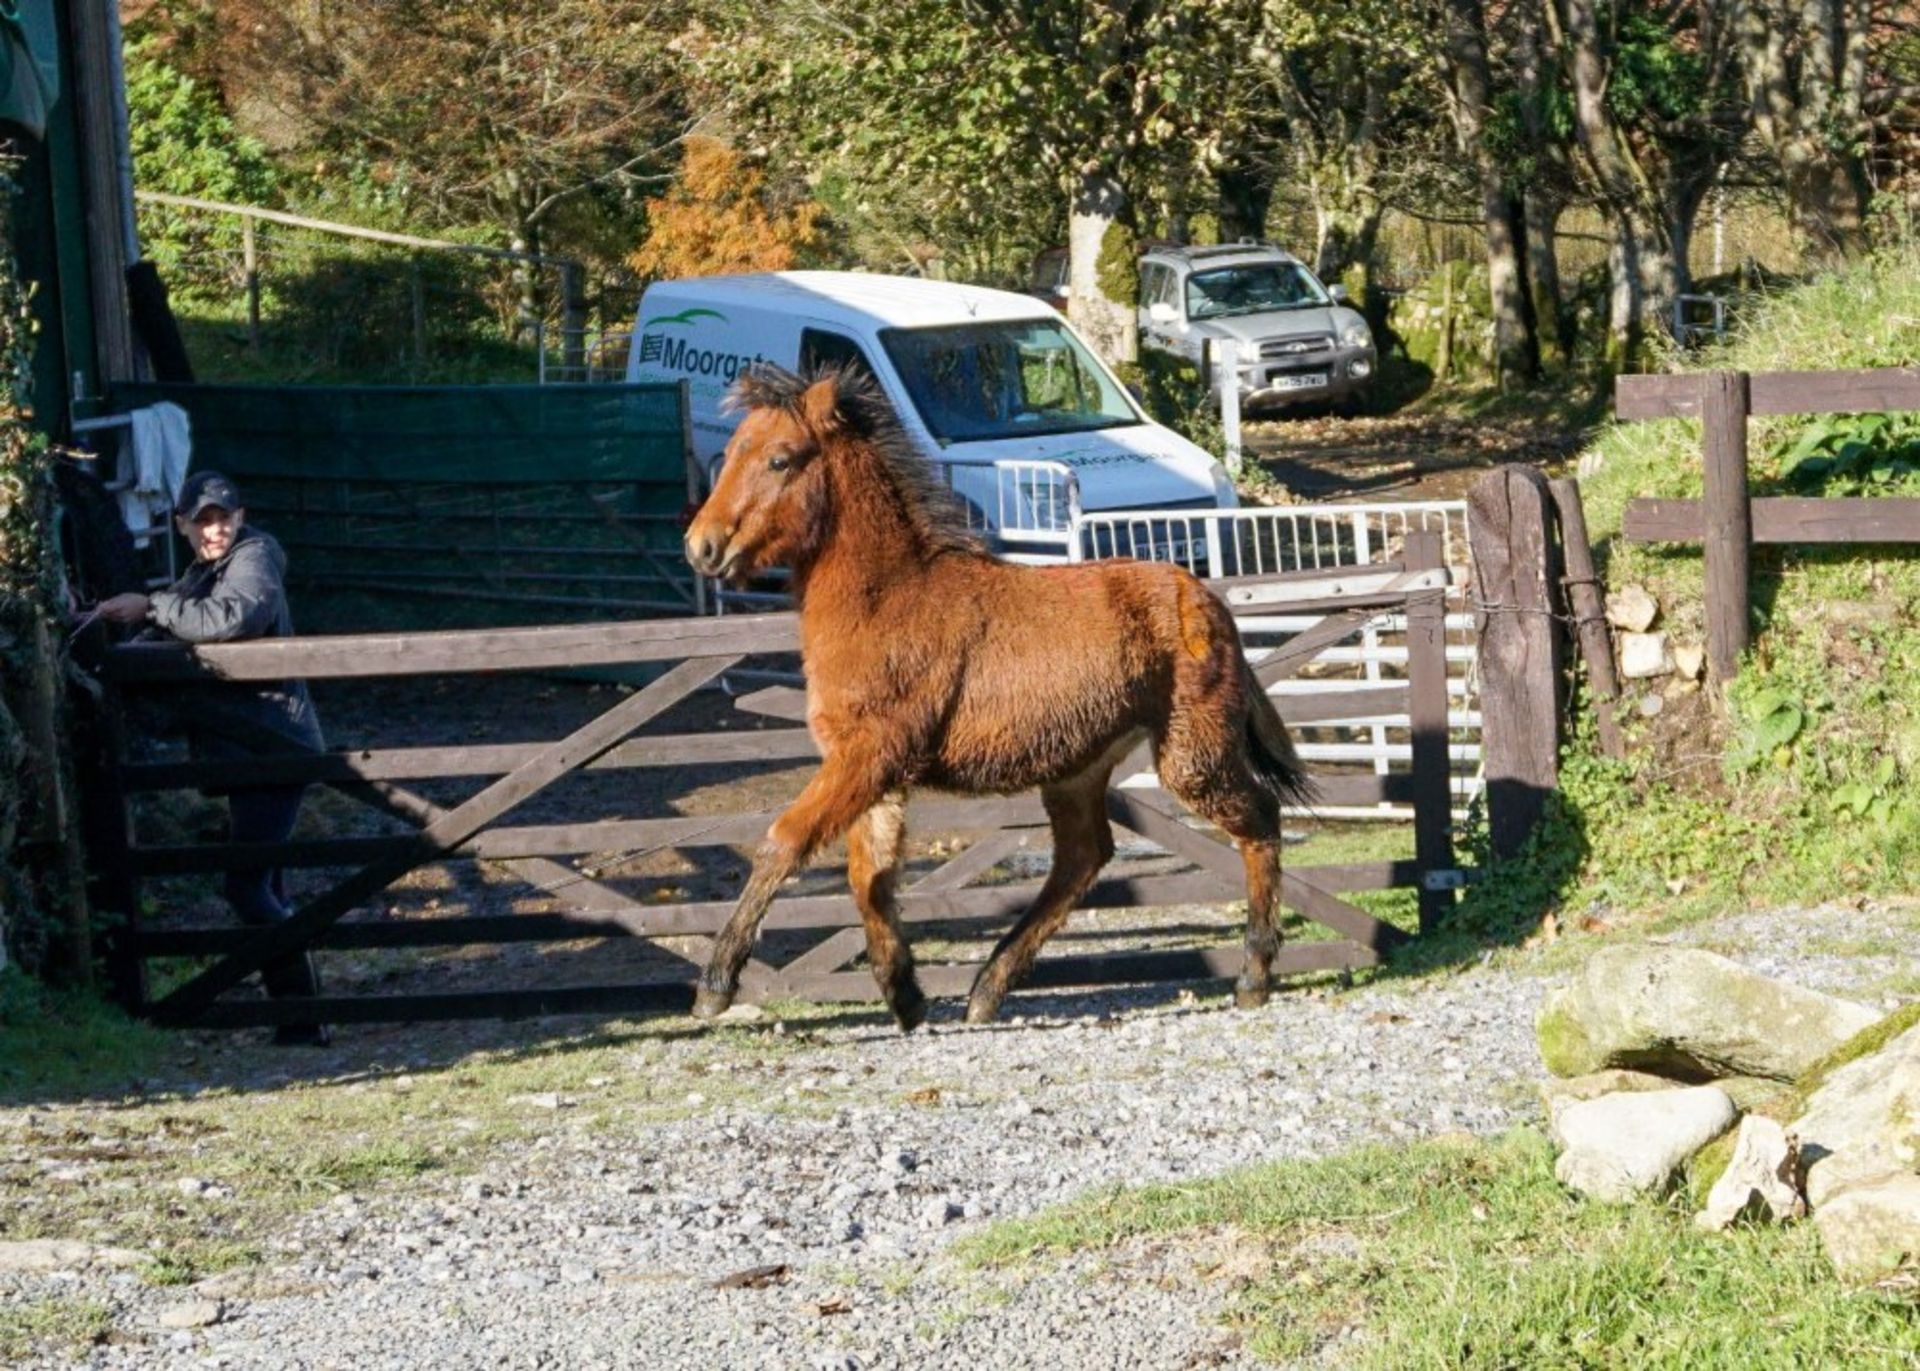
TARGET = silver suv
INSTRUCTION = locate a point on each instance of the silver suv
(1297, 341)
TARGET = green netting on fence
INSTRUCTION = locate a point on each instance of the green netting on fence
(470, 434)
(423, 507)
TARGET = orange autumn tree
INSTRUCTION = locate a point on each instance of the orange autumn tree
(720, 216)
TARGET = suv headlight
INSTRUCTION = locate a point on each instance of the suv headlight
(1356, 335)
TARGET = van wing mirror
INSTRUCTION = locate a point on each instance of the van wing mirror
(1162, 313)
(1337, 293)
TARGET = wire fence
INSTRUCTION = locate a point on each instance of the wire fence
(264, 293)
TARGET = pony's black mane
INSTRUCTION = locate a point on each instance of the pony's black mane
(866, 414)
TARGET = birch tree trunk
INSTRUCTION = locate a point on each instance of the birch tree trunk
(1111, 326)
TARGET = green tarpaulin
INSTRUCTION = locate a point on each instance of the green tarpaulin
(492, 435)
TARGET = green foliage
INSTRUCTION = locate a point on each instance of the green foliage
(1172, 392)
(184, 143)
(1656, 71)
(1471, 1254)
(1854, 454)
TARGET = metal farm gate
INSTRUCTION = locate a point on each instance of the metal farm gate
(968, 896)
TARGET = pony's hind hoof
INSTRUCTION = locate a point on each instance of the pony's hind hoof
(982, 1011)
(1251, 997)
(711, 1004)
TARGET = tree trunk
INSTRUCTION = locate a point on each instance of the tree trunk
(1112, 327)
(1246, 194)
(1517, 353)
(1804, 68)
(1640, 257)
(1347, 233)
(1553, 320)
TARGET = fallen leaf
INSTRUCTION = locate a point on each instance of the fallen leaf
(754, 1278)
(836, 1305)
(1593, 923)
(1384, 1016)
(930, 1095)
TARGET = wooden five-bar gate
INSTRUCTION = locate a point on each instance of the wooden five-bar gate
(1191, 867)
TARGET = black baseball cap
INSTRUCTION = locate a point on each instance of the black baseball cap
(206, 490)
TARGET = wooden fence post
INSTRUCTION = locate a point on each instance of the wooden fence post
(1589, 614)
(1729, 550)
(1427, 710)
(1515, 568)
(250, 266)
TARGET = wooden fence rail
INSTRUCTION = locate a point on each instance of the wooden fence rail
(960, 895)
(1728, 521)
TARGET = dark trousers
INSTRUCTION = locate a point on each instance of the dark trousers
(265, 815)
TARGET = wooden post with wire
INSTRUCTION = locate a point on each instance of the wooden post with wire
(1516, 570)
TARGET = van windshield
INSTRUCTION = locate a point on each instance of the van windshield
(1252, 289)
(1012, 379)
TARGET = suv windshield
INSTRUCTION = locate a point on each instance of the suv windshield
(1013, 379)
(1254, 288)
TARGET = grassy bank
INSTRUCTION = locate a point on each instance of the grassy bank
(1469, 1253)
(1801, 788)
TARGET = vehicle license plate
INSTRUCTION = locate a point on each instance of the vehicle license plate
(1301, 380)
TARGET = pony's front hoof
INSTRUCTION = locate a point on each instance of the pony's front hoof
(1251, 996)
(711, 1004)
(910, 1011)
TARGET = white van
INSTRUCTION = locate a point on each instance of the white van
(1029, 425)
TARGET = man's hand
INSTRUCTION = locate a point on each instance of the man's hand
(130, 608)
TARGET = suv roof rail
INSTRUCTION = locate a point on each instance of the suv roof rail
(1196, 251)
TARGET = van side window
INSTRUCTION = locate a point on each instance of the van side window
(818, 346)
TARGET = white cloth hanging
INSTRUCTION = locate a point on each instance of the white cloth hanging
(154, 461)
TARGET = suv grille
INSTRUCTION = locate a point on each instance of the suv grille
(1284, 349)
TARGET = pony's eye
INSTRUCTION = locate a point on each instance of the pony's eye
(779, 462)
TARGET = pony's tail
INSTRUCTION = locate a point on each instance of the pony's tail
(1270, 747)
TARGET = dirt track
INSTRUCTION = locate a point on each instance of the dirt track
(1412, 455)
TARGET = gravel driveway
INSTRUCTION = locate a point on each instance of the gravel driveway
(841, 1161)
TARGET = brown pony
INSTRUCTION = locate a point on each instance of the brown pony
(929, 662)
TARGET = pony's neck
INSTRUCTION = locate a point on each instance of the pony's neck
(875, 538)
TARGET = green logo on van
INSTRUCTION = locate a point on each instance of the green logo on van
(685, 316)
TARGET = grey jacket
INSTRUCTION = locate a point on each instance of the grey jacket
(242, 595)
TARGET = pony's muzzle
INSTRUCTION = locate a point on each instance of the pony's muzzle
(706, 553)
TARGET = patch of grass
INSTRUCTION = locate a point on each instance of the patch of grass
(1472, 1255)
(58, 1044)
(51, 1326)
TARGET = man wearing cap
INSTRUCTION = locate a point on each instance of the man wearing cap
(236, 590)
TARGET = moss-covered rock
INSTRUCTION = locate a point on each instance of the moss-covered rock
(1862, 1121)
(1862, 1044)
(1691, 1016)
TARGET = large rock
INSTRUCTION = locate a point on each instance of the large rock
(1622, 1146)
(1762, 1181)
(1690, 1015)
(1871, 1230)
(1861, 1139)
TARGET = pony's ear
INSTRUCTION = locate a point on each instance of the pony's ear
(820, 406)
